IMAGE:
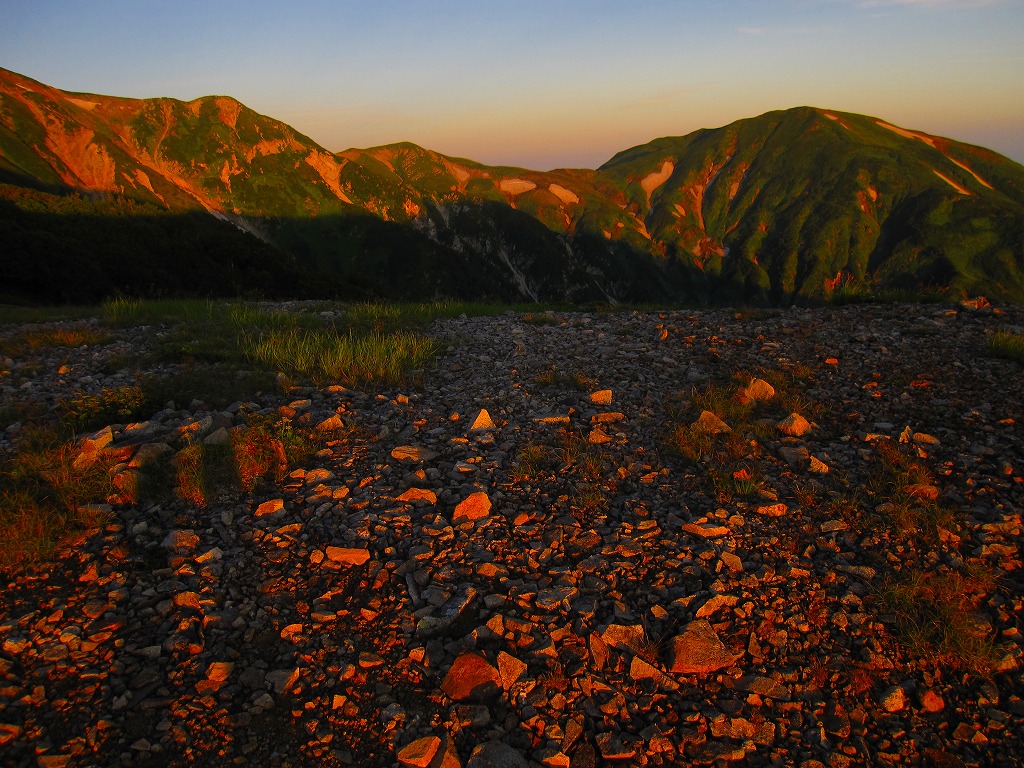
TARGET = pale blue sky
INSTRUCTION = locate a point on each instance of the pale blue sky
(541, 84)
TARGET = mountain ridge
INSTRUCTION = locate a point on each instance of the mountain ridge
(791, 205)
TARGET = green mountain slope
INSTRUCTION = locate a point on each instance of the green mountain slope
(788, 206)
(793, 204)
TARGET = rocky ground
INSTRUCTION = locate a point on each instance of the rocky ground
(550, 582)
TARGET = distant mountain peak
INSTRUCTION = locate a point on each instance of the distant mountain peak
(790, 205)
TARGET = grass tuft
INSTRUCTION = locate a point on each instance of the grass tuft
(44, 497)
(349, 359)
(1008, 344)
(935, 617)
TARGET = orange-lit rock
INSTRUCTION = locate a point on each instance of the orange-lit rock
(482, 421)
(419, 753)
(794, 425)
(772, 510)
(418, 494)
(756, 390)
(473, 507)
(699, 651)
(471, 677)
(347, 555)
(271, 507)
(710, 424)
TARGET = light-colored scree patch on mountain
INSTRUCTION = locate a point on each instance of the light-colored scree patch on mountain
(652, 181)
(971, 171)
(516, 186)
(953, 184)
(567, 196)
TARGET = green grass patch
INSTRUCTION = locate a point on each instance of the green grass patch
(350, 359)
(933, 615)
(1008, 344)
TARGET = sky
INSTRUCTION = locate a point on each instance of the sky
(541, 84)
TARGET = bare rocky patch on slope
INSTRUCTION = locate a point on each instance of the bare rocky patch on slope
(582, 575)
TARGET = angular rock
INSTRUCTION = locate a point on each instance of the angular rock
(271, 507)
(714, 604)
(496, 754)
(330, 424)
(482, 421)
(418, 494)
(419, 753)
(347, 555)
(624, 637)
(282, 680)
(474, 507)
(412, 453)
(699, 651)
(471, 676)
(601, 397)
(510, 668)
(181, 540)
(763, 686)
(772, 510)
(710, 424)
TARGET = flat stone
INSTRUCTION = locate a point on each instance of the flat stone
(763, 686)
(271, 507)
(612, 748)
(552, 419)
(624, 637)
(412, 453)
(496, 754)
(706, 530)
(510, 668)
(219, 671)
(181, 540)
(282, 680)
(833, 526)
(471, 676)
(601, 397)
(772, 510)
(418, 494)
(419, 753)
(347, 556)
(699, 651)
(474, 507)
(714, 604)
